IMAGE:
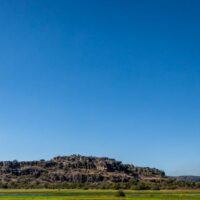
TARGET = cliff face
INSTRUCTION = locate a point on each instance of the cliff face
(74, 169)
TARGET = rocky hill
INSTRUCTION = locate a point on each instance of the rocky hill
(191, 179)
(72, 169)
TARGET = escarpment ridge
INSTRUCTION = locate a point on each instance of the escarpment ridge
(78, 171)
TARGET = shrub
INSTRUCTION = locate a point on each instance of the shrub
(120, 193)
(140, 186)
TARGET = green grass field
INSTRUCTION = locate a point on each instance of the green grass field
(96, 195)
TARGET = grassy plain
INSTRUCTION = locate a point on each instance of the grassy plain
(98, 195)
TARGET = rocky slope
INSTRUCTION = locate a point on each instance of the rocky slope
(73, 169)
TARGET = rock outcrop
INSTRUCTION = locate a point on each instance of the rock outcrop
(73, 169)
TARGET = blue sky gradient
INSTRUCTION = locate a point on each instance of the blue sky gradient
(105, 78)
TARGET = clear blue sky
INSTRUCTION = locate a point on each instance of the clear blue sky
(104, 78)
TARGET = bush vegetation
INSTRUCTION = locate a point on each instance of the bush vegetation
(120, 193)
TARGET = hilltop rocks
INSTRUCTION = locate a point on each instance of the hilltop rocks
(73, 169)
